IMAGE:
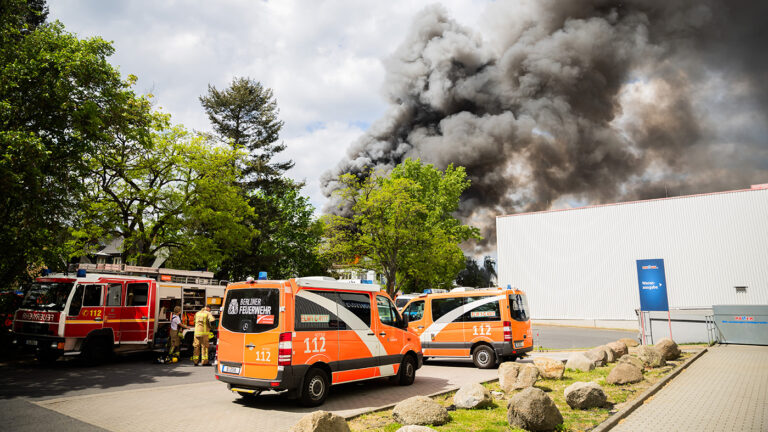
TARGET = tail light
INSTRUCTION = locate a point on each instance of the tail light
(285, 349)
(507, 331)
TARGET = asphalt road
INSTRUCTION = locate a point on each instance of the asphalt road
(133, 393)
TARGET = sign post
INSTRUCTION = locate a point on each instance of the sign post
(652, 283)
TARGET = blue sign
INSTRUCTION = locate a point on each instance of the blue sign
(652, 284)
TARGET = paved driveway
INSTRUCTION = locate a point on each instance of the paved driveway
(209, 405)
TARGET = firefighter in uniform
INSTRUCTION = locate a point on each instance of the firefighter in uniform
(175, 334)
(203, 321)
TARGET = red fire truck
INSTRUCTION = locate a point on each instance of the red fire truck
(116, 310)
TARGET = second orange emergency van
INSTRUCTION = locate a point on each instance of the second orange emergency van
(488, 325)
(303, 335)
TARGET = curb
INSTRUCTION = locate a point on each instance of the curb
(388, 406)
(613, 420)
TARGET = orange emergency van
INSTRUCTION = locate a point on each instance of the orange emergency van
(489, 325)
(303, 335)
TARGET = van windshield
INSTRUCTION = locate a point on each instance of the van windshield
(251, 310)
(518, 305)
(50, 296)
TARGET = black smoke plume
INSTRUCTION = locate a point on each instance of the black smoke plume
(575, 102)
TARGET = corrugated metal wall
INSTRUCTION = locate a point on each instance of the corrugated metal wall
(580, 263)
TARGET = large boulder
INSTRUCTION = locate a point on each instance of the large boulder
(321, 421)
(629, 342)
(610, 357)
(619, 349)
(415, 428)
(533, 410)
(549, 368)
(585, 395)
(624, 373)
(634, 361)
(650, 356)
(472, 396)
(580, 362)
(668, 349)
(597, 356)
(420, 410)
(515, 376)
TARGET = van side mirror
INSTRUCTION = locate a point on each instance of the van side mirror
(405, 321)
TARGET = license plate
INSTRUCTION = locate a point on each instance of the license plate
(231, 369)
(31, 342)
(519, 344)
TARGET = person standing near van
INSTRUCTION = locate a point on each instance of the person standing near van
(175, 333)
(203, 322)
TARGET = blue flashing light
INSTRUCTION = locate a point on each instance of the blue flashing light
(366, 281)
(262, 275)
(81, 273)
(428, 291)
(45, 272)
(509, 287)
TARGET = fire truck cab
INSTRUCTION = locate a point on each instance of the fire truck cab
(100, 313)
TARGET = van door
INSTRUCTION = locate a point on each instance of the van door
(254, 313)
(358, 344)
(113, 308)
(86, 311)
(390, 334)
(482, 320)
(415, 313)
(316, 326)
(445, 336)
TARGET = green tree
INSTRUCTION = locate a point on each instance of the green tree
(59, 100)
(245, 115)
(173, 194)
(403, 225)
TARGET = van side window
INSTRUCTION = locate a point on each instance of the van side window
(486, 312)
(137, 294)
(312, 316)
(358, 304)
(387, 312)
(114, 294)
(415, 310)
(442, 306)
(92, 296)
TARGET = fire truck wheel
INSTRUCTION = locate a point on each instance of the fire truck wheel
(315, 388)
(407, 372)
(484, 357)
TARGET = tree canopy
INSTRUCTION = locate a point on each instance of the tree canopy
(59, 100)
(403, 225)
(474, 275)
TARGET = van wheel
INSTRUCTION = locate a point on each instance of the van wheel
(315, 388)
(483, 357)
(407, 372)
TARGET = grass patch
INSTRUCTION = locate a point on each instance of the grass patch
(493, 419)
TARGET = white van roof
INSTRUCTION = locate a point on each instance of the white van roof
(314, 282)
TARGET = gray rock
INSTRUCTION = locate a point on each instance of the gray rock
(472, 396)
(508, 372)
(630, 343)
(634, 361)
(580, 362)
(650, 356)
(415, 428)
(585, 395)
(668, 349)
(619, 349)
(420, 410)
(609, 355)
(597, 356)
(497, 394)
(549, 368)
(533, 410)
(624, 373)
(321, 421)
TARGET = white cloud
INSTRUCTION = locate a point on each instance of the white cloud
(322, 59)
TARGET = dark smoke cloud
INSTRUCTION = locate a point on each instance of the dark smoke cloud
(577, 102)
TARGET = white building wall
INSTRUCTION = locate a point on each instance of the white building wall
(580, 264)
